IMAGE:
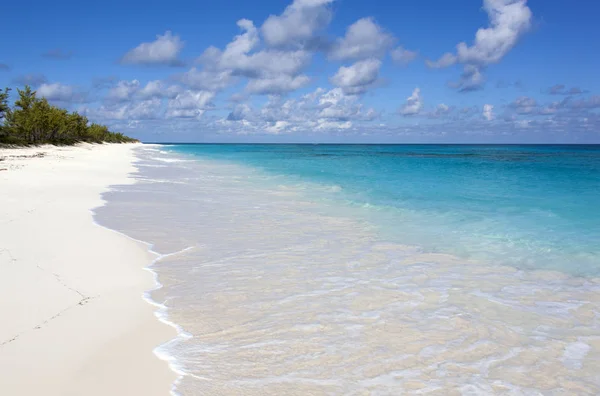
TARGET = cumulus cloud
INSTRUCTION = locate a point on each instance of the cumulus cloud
(509, 20)
(402, 56)
(413, 105)
(57, 54)
(58, 92)
(357, 78)
(324, 125)
(131, 111)
(277, 127)
(277, 84)
(209, 80)
(363, 39)
(238, 48)
(441, 110)
(239, 112)
(300, 22)
(123, 91)
(445, 60)
(189, 104)
(159, 89)
(336, 105)
(488, 112)
(471, 79)
(162, 51)
(320, 110)
(524, 105)
(270, 71)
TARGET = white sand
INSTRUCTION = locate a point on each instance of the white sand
(73, 321)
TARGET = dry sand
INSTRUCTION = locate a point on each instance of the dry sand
(73, 321)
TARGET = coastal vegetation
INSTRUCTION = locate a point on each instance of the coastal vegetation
(32, 120)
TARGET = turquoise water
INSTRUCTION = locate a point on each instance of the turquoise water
(532, 207)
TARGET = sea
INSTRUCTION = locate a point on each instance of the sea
(372, 269)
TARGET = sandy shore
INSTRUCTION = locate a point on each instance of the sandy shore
(73, 318)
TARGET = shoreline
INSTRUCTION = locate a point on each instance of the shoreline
(261, 306)
(76, 317)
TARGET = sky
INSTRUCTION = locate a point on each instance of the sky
(340, 71)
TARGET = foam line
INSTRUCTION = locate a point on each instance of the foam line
(162, 311)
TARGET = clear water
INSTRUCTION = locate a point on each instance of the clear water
(528, 206)
(373, 270)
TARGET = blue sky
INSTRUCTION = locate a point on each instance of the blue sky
(315, 70)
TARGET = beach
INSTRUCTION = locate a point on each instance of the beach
(74, 321)
(297, 269)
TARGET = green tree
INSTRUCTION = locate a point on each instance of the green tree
(4, 109)
(35, 121)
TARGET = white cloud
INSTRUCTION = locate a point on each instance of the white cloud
(146, 109)
(363, 39)
(276, 85)
(413, 105)
(488, 112)
(241, 45)
(335, 105)
(123, 91)
(471, 79)
(269, 71)
(324, 124)
(237, 59)
(240, 112)
(402, 56)
(277, 127)
(300, 22)
(359, 77)
(441, 110)
(320, 110)
(58, 92)
(524, 105)
(209, 80)
(508, 21)
(445, 60)
(189, 104)
(164, 50)
(158, 89)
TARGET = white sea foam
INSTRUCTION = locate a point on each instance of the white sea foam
(574, 354)
(161, 351)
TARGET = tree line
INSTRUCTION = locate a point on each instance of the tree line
(33, 120)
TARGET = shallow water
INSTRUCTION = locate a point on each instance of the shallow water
(292, 284)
